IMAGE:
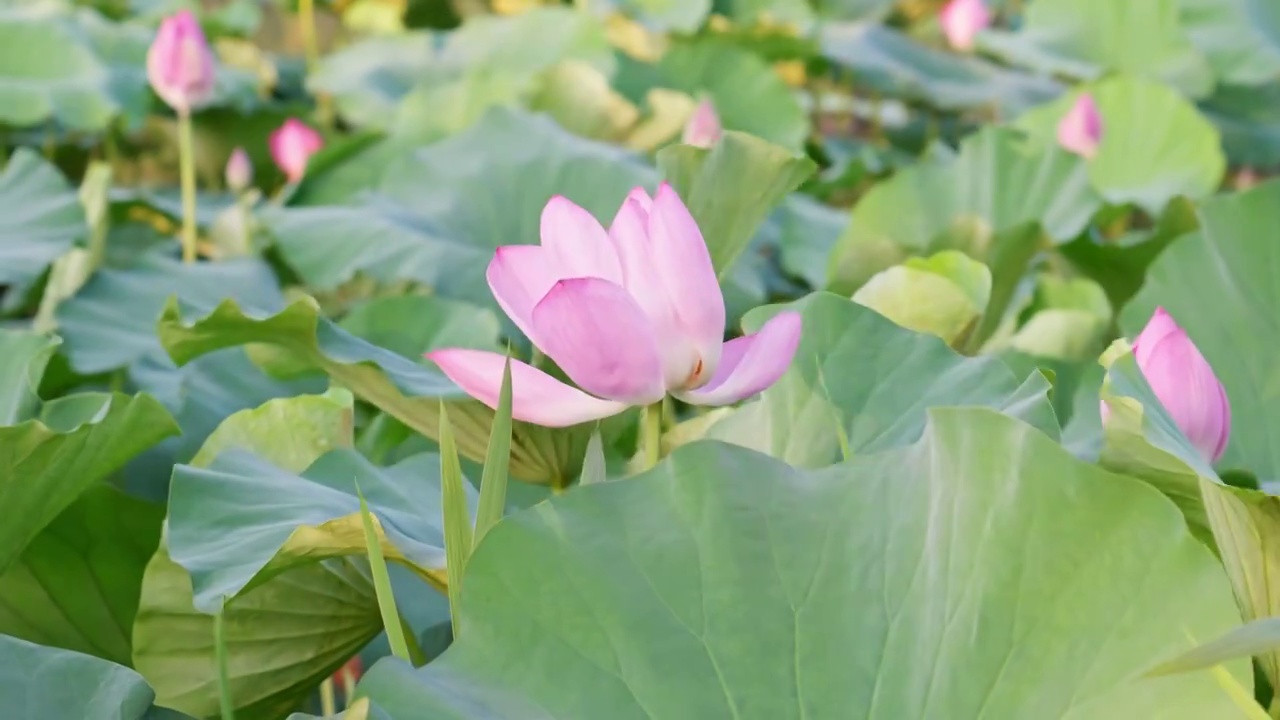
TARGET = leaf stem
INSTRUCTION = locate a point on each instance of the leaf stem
(328, 704)
(220, 657)
(651, 434)
(187, 168)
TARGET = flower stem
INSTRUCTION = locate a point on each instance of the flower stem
(328, 704)
(307, 23)
(187, 169)
(651, 433)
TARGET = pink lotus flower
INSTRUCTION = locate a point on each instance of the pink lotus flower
(180, 66)
(1184, 384)
(629, 314)
(1080, 130)
(703, 128)
(239, 170)
(292, 145)
(961, 22)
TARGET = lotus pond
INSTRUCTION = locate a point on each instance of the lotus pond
(666, 359)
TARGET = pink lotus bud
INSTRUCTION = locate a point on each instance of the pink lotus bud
(180, 65)
(239, 170)
(962, 20)
(703, 128)
(292, 144)
(1184, 384)
(630, 314)
(1080, 130)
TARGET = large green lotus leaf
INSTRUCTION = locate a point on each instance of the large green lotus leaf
(49, 70)
(410, 325)
(45, 683)
(76, 584)
(111, 322)
(1087, 38)
(1240, 38)
(748, 95)
(489, 60)
(437, 214)
(201, 394)
(282, 638)
(24, 355)
(981, 572)
(40, 217)
(1230, 316)
(242, 521)
(858, 371)
(1248, 119)
(999, 182)
(1155, 145)
(893, 64)
(731, 187)
(318, 613)
(404, 389)
(49, 461)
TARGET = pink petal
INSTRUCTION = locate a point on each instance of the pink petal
(630, 234)
(751, 363)
(961, 22)
(703, 128)
(520, 276)
(1185, 384)
(180, 65)
(292, 145)
(1080, 130)
(536, 397)
(601, 338)
(576, 243)
(683, 264)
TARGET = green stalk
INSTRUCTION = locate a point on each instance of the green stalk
(187, 168)
(493, 482)
(307, 21)
(382, 584)
(458, 532)
(651, 434)
(220, 657)
(328, 704)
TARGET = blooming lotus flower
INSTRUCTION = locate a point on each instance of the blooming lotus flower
(1080, 130)
(1184, 384)
(239, 170)
(961, 22)
(180, 65)
(292, 144)
(703, 128)
(629, 314)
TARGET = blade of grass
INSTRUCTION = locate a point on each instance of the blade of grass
(220, 657)
(493, 482)
(457, 520)
(382, 583)
(593, 469)
(1242, 697)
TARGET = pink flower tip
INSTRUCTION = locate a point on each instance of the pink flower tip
(961, 22)
(180, 65)
(239, 172)
(1184, 383)
(292, 145)
(703, 128)
(1080, 130)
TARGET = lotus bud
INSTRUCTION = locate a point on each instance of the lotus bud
(239, 170)
(292, 145)
(1184, 383)
(961, 22)
(703, 128)
(180, 66)
(1080, 130)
